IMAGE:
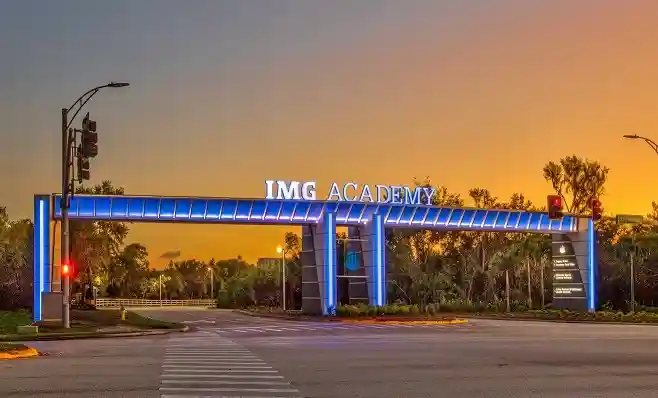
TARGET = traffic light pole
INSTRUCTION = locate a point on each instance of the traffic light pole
(67, 186)
(65, 255)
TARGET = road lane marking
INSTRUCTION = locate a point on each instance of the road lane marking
(215, 366)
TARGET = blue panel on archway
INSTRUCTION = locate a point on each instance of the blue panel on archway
(352, 261)
(262, 211)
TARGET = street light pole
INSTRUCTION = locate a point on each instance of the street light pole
(68, 137)
(212, 283)
(283, 276)
(649, 142)
(632, 270)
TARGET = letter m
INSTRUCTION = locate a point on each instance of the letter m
(412, 197)
(288, 190)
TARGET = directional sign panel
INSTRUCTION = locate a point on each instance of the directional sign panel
(568, 287)
(629, 219)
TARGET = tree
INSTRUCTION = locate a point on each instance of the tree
(15, 262)
(95, 243)
(577, 181)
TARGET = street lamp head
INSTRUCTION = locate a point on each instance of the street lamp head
(631, 136)
(279, 250)
(118, 84)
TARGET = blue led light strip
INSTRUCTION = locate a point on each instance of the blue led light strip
(41, 269)
(330, 263)
(379, 248)
(591, 266)
(289, 212)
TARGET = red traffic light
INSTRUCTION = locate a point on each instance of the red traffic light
(597, 209)
(554, 205)
(66, 269)
(556, 201)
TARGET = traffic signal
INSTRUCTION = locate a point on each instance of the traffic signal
(83, 167)
(597, 210)
(66, 270)
(88, 138)
(554, 205)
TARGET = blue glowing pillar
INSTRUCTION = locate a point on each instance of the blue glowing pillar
(375, 260)
(326, 261)
(41, 256)
(592, 266)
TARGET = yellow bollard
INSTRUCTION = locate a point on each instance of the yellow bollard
(124, 312)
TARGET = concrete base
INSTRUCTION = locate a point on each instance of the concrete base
(52, 308)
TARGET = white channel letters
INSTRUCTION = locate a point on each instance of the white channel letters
(350, 192)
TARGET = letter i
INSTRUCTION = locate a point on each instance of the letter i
(269, 189)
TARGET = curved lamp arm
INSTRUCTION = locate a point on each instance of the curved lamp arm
(649, 142)
(84, 98)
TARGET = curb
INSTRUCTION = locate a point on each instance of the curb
(393, 322)
(19, 353)
(300, 318)
(587, 322)
(463, 317)
(83, 336)
(354, 321)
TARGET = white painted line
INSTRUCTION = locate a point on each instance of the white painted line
(227, 383)
(177, 350)
(236, 367)
(206, 353)
(218, 362)
(202, 352)
(229, 389)
(215, 357)
(205, 344)
(227, 396)
(174, 376)
(254, 371)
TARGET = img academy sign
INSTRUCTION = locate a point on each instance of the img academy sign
(350, 192)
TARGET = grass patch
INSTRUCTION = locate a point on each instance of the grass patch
(113, 318)
(10, 319)
(134, 319)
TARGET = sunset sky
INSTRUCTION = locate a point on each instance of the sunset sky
(226, 94)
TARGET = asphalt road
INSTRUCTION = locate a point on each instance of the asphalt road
(236, 355)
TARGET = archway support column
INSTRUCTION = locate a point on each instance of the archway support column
(374, 258)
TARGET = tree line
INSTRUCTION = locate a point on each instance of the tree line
(423, 266)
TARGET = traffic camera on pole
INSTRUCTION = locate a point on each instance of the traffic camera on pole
(597, 209)
(554, 206)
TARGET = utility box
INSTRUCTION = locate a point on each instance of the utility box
(52, 306)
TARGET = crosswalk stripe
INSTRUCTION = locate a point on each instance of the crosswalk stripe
(216, 366)
(314, 327)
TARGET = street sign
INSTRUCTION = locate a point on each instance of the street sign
(629, 219)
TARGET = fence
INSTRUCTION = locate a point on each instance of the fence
(117, 303)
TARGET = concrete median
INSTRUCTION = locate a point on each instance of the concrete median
(405, 322)
(17, 352)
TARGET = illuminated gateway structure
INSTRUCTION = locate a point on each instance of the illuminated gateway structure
(366, 211)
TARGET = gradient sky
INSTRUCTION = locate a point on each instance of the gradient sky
(226, 94)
